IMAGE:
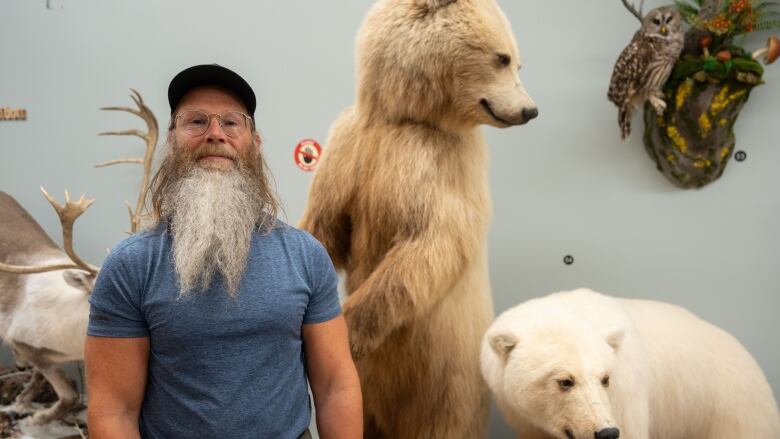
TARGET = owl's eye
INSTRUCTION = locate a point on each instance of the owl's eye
(668, 19)
(656, 21)
(504, 59)
(605, 381)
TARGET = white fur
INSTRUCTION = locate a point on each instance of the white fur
(50, 314)
(672, 375)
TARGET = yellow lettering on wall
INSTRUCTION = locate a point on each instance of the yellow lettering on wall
(7, 113)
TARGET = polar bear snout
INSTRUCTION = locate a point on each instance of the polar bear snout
(608, 433)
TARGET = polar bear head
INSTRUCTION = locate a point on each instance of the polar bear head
(553, 378)
(450, 64)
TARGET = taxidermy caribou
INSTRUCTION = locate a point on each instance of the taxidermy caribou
(44, 290)
(43, 300)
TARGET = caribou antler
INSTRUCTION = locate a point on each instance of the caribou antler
(151, 143)
(633, 10)
(68, 215)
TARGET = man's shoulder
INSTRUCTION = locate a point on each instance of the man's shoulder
(295, 240)
(287, 232)
(139, 242)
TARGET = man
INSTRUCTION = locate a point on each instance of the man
(209, 323)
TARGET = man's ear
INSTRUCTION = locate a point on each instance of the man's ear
(258, 141)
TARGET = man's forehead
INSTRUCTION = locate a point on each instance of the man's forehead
(212, 96)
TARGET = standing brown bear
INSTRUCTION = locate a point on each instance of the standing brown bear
(401, 202)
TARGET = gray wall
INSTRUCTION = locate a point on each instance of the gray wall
(563, 184)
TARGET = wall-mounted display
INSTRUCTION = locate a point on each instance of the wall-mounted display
(691, 136)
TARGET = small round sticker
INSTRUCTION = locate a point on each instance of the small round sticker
(307, 154)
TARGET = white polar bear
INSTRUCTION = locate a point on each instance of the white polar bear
(579, 365)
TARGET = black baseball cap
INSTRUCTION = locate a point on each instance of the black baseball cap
(210, 74)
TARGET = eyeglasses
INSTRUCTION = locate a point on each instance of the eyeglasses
(196, 122)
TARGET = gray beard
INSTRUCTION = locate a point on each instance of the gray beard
(213, 215)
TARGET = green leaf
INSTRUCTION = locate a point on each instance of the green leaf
(748, 65)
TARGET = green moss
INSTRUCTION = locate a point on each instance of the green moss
(734, 69)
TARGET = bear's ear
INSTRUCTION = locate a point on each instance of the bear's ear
(503, 343)
(433, 5)
(613, 336)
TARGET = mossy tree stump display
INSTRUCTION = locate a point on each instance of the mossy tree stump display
(693, 140)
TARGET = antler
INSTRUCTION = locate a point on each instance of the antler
(151, 143)
(636, 13)
(68, 215)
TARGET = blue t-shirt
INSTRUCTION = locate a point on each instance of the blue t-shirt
(219, 366)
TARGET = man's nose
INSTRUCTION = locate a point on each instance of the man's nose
(214, 133)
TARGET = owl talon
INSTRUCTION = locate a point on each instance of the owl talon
(658, 104)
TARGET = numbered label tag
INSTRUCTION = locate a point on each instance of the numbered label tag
(307, 154)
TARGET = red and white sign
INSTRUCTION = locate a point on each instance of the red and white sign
(307, 154)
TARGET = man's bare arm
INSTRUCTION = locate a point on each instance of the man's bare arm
(116, 381)
(334, 380)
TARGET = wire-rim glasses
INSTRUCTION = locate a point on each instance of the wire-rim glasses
(196, 122)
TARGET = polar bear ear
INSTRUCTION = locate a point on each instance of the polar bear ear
(432, 5)
(613, 336)
(503, 343)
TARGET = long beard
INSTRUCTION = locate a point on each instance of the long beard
(212, 215)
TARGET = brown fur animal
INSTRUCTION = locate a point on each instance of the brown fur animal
(401, 202)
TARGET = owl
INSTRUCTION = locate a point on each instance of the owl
(645, 64)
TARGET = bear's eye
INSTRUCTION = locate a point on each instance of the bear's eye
(605, 381)
(566, 384)
(504, 59)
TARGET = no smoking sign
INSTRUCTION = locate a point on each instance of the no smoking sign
(307, 154)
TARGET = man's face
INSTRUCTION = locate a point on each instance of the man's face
(214, 149)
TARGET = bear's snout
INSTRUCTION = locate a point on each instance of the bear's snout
(530, 113)
(608, 433)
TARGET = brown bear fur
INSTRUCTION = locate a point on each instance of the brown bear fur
(401, 202)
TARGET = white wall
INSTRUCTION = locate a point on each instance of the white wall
(564, 184)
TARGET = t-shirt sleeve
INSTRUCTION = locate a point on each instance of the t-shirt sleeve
(115, 303)
(324, 299)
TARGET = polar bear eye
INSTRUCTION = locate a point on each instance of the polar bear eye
(566, 384)
(605, 381)
(504, 59)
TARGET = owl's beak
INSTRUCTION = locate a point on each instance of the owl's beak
(664, 30)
